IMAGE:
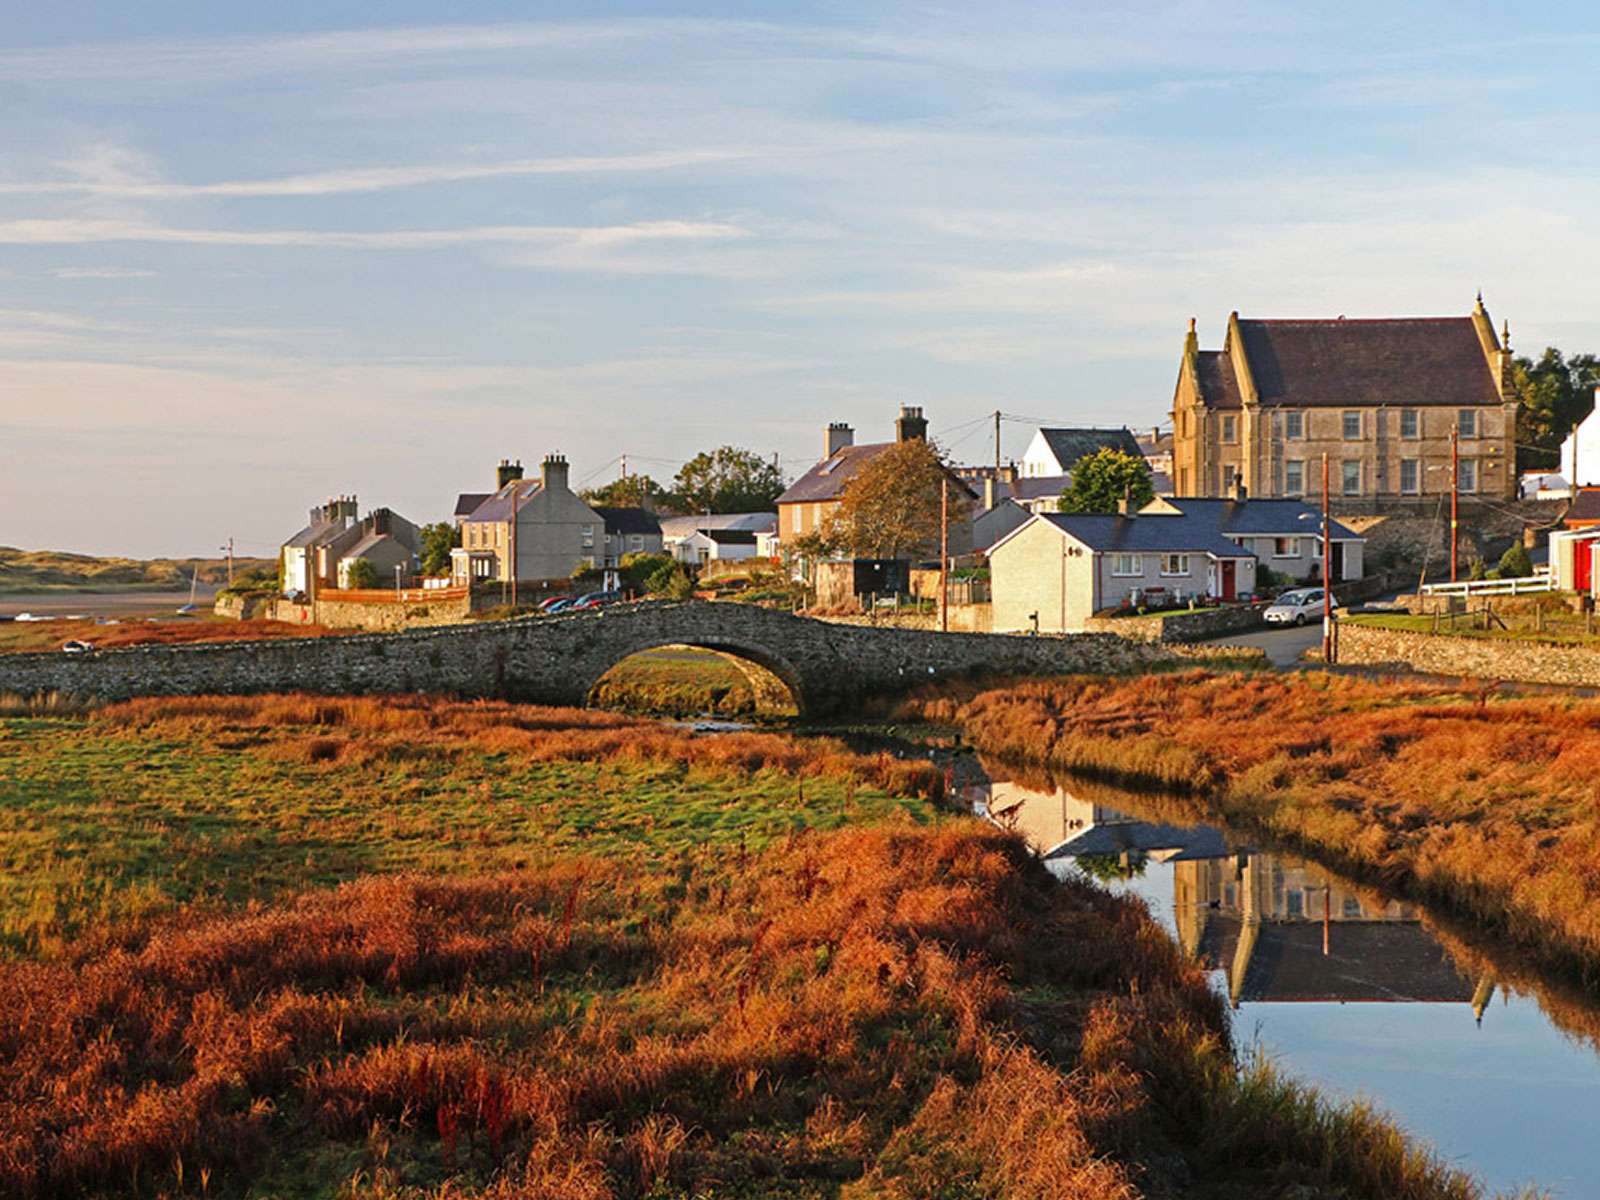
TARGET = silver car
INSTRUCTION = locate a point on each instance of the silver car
(1297, 607)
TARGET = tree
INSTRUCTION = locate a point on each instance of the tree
(891, 507)
(362, 574)
(1515, 563)
(438, 539)
(1556, 394)
(1102, 480)
(726, 480)
(631, 491)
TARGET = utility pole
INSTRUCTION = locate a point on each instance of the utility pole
(512, 538)
(1327, 582)
(1455, 491)
(944, 555)
(624, 466)
(997, 451)
(229, 549)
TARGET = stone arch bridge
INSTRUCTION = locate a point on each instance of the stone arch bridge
(825, 667)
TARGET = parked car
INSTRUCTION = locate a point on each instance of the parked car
(596, 600)
(1297, 607)
(554, 603)
(75, 646)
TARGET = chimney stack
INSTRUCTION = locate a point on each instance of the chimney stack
(838, 436)
(553, 473)
(507, 472)
(911, 427)
(991, 491)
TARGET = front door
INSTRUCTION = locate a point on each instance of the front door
(1336, 567)
(1228, 586)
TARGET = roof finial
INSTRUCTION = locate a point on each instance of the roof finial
(1191, 324)
(1505, 335)
(1480, 297)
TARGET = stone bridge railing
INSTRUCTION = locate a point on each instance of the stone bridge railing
(559, 659)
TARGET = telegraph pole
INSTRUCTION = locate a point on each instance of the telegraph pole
(1327, 582)
(1455, 491)
(512, 538)
(229, 549)
(944, 555)
(997, 452)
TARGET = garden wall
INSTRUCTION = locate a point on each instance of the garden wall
(1521, 659)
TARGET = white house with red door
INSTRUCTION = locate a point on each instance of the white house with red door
(1051, 574)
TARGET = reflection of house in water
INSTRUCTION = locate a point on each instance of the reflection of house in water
(1284, 931)
(1062, 826)
(1277, 929)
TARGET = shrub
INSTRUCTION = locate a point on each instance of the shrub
(362, 574)
(1515, 563)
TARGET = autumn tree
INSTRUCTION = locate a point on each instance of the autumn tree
(1102, 480)
(438, 539)
(726, 480)
(891, 507)
(1556, 394)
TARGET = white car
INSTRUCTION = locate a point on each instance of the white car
(1297, 607)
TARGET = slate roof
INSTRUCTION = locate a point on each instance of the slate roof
(1071, 445)
(367, 543)
(316, 535)
(497, 505)
(1410, 362)
(1586, 507)
(1035, 487)
(1116, 837)
(827, 479)
(1117, 534)
(731, 537)
(466, 502)
(682, 527)
(1259, 518)
(627, 520)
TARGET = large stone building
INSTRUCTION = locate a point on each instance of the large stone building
(1380, 398)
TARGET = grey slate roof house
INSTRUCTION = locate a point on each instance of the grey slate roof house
(1054, 452)
(1286, 535)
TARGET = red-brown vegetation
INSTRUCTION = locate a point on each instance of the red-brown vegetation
(1486, 803)
(51, 635)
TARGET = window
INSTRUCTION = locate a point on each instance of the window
(1410, 476)
(1174, 564)
(1286, 547)
(1294, 425)
(1352, 908)
(1467, 475)
(1230, 480)
(1352, 425)
(1352, 476)
(1410, 423)
(1467, 422)
(1294, 903)
(636, 541)
(1127, 564)
(588, 538)
(1294, 477)
(1230, 428)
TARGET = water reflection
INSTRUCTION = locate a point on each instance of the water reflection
(1350, 988)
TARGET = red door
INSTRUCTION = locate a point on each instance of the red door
(1582, 562)
(1228, 589)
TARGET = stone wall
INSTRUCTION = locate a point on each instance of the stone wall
(1479, 658)
(244, 606)
(558, 659)
(382, 616)
(964, 618)
(1182, 625)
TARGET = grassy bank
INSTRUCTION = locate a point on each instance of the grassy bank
(677, 682)
(1480, 804)
(55, 571)
(23, 636)
(300, 946)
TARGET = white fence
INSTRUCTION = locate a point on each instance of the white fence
(1539, 581)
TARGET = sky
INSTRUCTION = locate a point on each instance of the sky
(252, 256)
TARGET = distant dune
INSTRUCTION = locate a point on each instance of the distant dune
(45, 571)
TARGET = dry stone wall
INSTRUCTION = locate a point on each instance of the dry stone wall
(1478, 658)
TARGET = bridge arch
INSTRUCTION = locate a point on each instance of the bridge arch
(773, 680)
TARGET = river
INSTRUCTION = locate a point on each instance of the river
(1355, 991)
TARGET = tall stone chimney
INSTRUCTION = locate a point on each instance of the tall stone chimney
(838, 436)
(553, 473)
(910, 427)
(506, 472)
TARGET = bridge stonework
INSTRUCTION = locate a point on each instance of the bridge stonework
(829, 668)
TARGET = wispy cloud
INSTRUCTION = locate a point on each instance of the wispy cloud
(67, 231)
(377, 179)
(101, 273)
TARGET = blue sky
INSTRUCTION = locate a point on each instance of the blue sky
(251, 256)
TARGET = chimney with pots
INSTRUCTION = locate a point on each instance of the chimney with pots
(911, 427)
(507, 472)
(553, 473)
(838, 436)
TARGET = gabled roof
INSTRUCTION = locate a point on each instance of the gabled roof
(1410, 362)
(497, 505)
(1266, 517)
(627, 520)
(681, 527)
(731, 537)
(1586, 506)
(366, 545)
(316, 535)
(827, 479)
(1036, 487)
(1070, 445)
(1154, 534)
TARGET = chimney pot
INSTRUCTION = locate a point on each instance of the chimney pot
(911, 427)
(836, 437)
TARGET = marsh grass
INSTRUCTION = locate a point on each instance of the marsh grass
(679, 684)
(1482, 805)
